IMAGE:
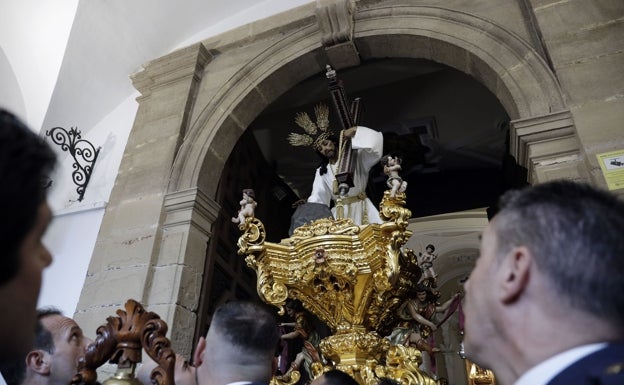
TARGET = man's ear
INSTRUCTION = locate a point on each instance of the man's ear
(198, 357)
(515, 273)
(38, 361)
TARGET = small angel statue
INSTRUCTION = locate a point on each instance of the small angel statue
(392, 166)
(248, 205)
(425, 260)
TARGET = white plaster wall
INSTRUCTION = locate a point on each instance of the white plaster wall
(11, 97)
(33, 35)
(71, 239)
(71, 236)
(259, 11)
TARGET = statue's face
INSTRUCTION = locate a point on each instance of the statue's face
(328, 149)
(422, 296)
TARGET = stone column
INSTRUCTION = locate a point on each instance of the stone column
(128, 254)
(175, 285)
(547, 146)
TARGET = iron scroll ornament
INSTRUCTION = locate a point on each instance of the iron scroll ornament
(82, 151)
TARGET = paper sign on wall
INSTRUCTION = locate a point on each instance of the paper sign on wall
(612, 165)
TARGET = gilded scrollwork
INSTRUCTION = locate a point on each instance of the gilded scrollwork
(392, 209)
(359, 343)
(292, 380)
(402, 364)
(325, 226)
(253, 236)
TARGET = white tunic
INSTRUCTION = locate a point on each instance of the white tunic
(369, 147)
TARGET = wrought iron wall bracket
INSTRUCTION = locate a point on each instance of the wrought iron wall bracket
(82, 151)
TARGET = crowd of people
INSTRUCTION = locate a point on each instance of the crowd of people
(543, 306)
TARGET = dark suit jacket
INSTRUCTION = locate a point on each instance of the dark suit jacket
(604, 367)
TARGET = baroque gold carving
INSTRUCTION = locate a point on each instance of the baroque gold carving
(351, 277)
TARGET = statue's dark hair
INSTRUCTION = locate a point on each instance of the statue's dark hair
(324, 159)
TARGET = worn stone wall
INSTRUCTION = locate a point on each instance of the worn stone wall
(584, 41)
(138, 222)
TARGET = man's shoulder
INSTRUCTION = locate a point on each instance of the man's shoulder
(603, 367)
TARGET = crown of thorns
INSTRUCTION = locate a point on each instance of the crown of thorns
(315, 133)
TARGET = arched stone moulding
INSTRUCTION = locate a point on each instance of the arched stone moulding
(498, 58)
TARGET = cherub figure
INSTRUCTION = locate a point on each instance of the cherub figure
(392, 166)
(248, 205)
(425, 260)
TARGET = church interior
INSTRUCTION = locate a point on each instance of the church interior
(475, 97)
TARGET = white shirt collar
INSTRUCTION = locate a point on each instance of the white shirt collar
(542, 373)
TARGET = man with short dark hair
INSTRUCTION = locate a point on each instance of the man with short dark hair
(53, 360)
(25, 162)
(239, 347)
(334, 377)
(545, 302)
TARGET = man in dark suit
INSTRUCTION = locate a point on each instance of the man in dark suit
(545, 302)
(240, 346)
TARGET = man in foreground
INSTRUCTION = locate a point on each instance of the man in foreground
(25, 162)
(545, 302)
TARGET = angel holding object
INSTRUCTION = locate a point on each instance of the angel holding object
(248, 205)
(425, 260)
(392, 166)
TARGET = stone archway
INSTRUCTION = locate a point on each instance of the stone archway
(197, 102)
(508, 66)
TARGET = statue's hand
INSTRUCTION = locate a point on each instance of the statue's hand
(350, 132)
